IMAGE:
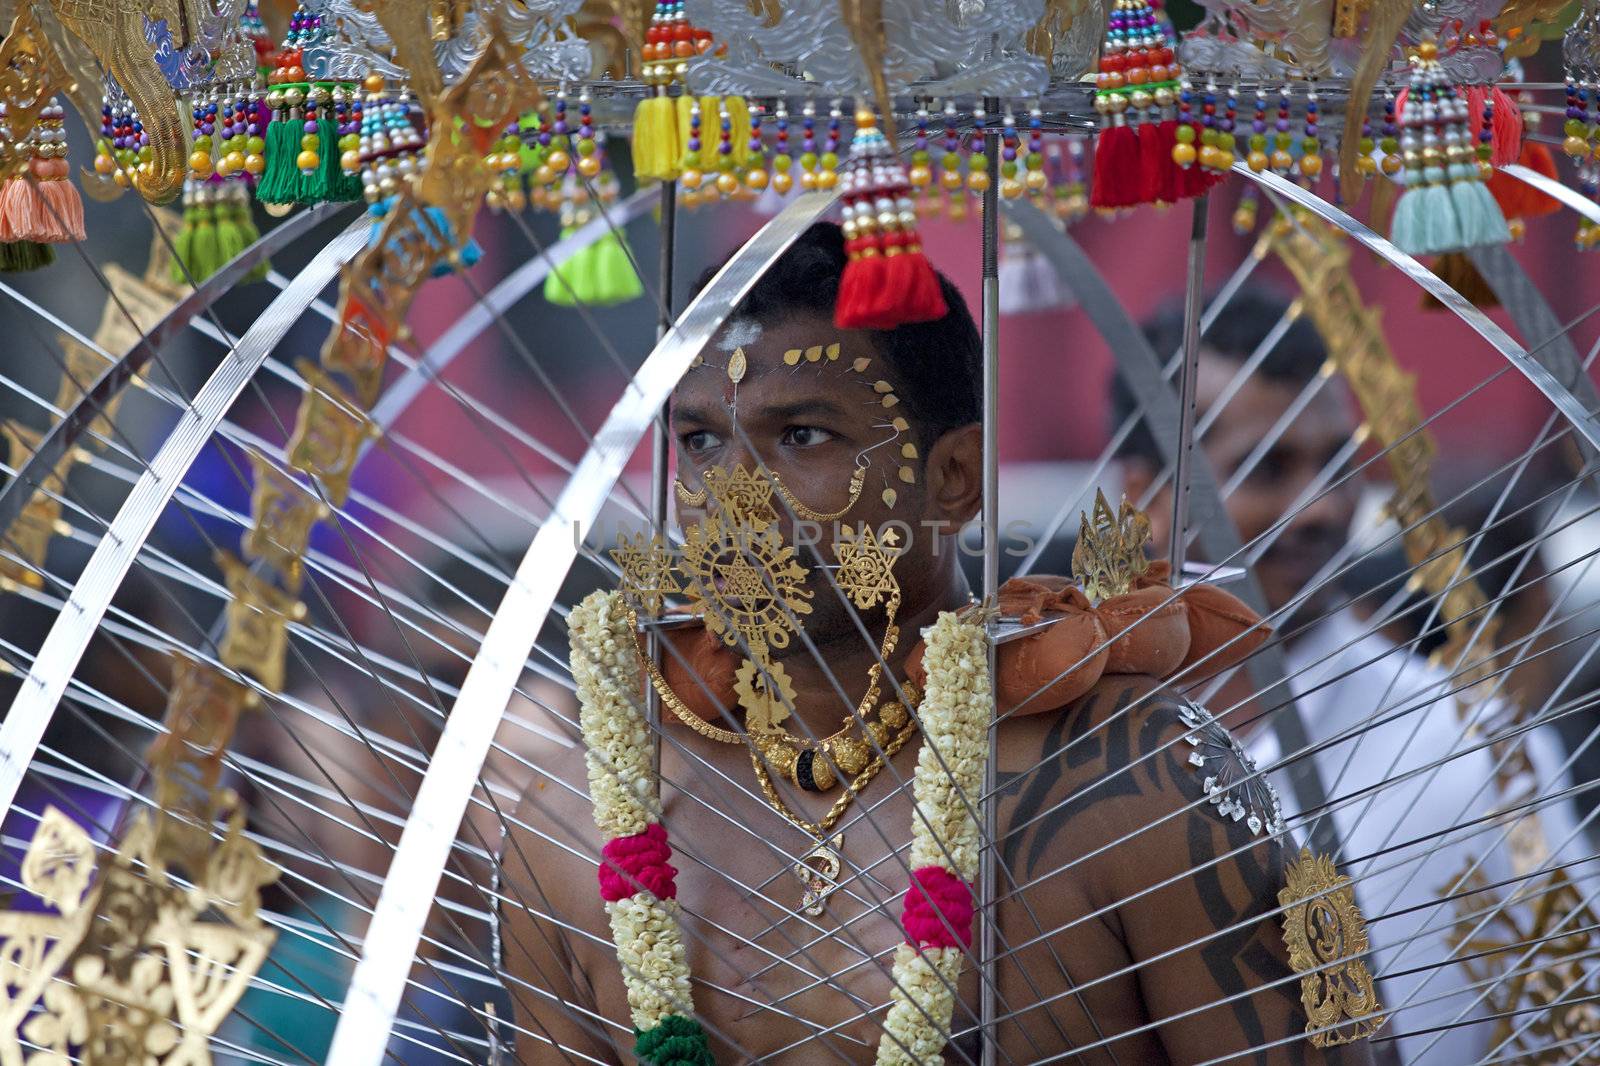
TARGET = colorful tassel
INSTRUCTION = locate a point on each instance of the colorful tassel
(888, 281)
(1446, 205)
(1136, 86)
(1517, 199)
(40, 204)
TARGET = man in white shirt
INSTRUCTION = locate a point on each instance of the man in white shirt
(1410, 786)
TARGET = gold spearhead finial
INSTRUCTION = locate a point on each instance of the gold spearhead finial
(1110, 551)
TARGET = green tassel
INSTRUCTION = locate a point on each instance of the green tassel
(1425, 221)
(205, 254)
(618, 281)
(231, 238)
(676, 1041)
(183, 246)
(328, 183)
(572, 282)
(281, 178)
(1480, 217)
(18, 256)
(252, 234)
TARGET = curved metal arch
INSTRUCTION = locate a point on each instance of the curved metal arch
(1583, 421)
(69, 635)
(1555, 190)
(1140, 367)
(62, 436)
(413, 877)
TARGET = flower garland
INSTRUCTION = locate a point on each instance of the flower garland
(938, 909)
(637, 878)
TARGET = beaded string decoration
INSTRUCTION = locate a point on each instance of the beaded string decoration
(302, 164)
(950, 164)
(602, 273)
(887, 281)
(123, 143)
(757, 172)
(1136, 86)
(1282, 159)
(977, 156)
(920, 173)
(1310, 163)
(40, 206)
(782, 161)
(1447, 205)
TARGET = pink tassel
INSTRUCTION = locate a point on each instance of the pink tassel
(65, 210)
(20, 209)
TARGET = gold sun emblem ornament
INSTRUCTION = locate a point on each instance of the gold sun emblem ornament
(741, 577)
(1327, 937)
(647, 572)
(1109, 555)
(866, 565)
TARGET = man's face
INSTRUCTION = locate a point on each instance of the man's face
(811, 423)
(1272, 489)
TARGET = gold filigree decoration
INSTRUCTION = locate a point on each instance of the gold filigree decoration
(358, 347)
(30, 74)
(258, 617)
(866, 565)
(1327, 937)
(744, 582)
(743, 496)
(284, 511)
(766, 694)
(114, 32)
(29, 537)
(1535, 956)
(328, 432)
(59, 863)
(1319, 258)
(647, 571)
(1109, 554)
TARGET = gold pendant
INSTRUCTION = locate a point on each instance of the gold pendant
(818, 870)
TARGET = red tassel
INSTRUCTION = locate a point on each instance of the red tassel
(1117, 177)
(1158, 174)
(862, 292)
(913, 277)
(1518, 199)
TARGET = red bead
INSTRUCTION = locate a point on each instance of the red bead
(1111, 62)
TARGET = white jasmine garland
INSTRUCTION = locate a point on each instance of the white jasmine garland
(957, 707)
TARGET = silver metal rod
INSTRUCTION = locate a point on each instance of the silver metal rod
(988, 1046)
(1193, 299)
(660, 445)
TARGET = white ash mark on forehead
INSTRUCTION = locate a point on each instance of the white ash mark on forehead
(737, 334)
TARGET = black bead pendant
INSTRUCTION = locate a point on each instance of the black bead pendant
(802, 771)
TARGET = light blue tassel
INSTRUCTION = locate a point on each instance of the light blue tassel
(1441, 230)
(1405, 229)
(1481, 219)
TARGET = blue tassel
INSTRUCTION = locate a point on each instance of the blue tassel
(1481, 219)
(1405, 228)
(1441, 230)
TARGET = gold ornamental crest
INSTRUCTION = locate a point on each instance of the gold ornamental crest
(1327, 937)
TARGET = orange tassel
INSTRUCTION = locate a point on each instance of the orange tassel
(1518, 199)
(66, 210)
(21, 208)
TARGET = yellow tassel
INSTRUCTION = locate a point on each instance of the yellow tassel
(657, 147)
(739, 128)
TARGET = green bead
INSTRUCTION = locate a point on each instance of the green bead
(1574, 127)
(1366, 146)
(1258, 142)
(1035, 161)
(808, 160)
(1008, 169)
(1309, 146)
(782, 164)
(1390, 145)
(1186, 134)
(920, 156)
(1226, 142)
(830, 160)
(1208, 137)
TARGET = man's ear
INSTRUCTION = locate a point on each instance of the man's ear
(954, 470)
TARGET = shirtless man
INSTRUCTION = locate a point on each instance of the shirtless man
(1137, 926)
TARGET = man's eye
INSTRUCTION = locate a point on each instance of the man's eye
(805, 436)
(700, 440)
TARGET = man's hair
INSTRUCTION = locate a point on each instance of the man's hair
(937, 367)
(1238, 331)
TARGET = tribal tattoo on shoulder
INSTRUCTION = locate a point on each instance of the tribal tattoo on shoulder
(1117, 747)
